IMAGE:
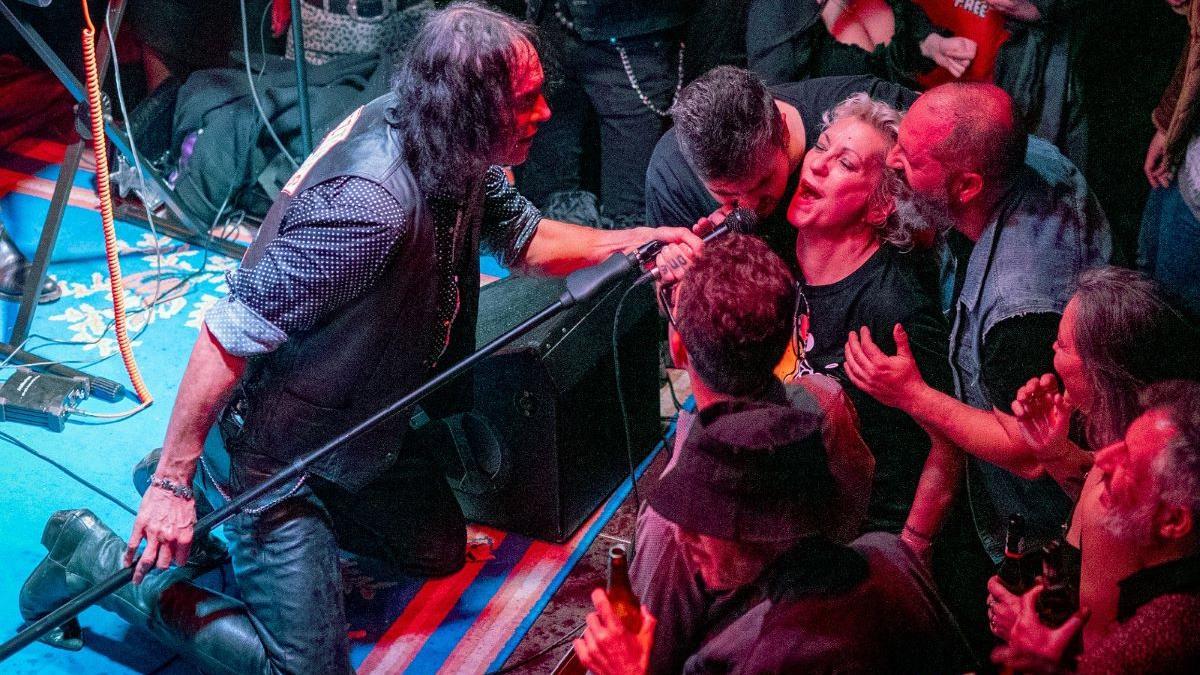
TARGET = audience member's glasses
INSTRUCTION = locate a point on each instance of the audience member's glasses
(666, 300)
(800, 315)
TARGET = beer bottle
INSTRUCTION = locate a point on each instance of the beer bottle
(624, 603)
(1012, 570)
(1058, 600)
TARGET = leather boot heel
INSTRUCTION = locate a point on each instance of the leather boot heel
(14, 269)
(47, 587)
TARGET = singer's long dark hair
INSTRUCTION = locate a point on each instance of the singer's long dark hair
(454, 94)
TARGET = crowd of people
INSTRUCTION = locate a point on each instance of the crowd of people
(953, 284)
(925, 342)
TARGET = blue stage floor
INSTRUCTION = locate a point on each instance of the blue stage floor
(74, 330)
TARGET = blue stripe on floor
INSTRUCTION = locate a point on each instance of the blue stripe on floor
(473, 600)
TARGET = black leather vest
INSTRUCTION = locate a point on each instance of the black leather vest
(378, 347)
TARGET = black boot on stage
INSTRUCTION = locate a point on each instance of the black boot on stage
(211, 630)
(13, 270)
(47, 588)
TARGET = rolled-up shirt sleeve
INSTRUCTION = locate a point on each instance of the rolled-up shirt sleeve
(509, 219)
(336, 240)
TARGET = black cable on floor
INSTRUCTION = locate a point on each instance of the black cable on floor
(82, 481)
(169, 662)
(616, 353)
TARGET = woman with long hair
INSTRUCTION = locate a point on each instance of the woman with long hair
(1117, 334)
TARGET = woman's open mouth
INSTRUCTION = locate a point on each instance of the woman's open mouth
(806, 192)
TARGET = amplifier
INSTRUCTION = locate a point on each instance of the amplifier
(543, 445)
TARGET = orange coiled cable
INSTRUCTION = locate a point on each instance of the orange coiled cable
(99, 146)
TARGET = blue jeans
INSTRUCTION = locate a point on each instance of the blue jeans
(1169, 245)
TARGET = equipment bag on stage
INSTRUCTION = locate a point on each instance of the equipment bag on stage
(225, 151)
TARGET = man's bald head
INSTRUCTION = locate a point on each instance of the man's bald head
(974, 127)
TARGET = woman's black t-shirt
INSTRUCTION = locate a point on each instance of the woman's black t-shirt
(884, 291)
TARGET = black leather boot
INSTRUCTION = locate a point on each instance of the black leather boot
(13, 270)
(72, 539)
(46, 589)
(211, 630)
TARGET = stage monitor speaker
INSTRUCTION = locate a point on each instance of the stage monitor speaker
(543, 445)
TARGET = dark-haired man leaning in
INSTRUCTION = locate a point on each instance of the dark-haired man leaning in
(741, 550)
(362, 284)
(736, 142)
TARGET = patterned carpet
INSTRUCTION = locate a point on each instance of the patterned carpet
(466, 623)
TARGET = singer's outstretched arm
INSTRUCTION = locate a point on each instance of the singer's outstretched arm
(165, 520)
(559, 248)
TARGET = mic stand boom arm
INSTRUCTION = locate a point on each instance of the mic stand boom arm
(581, 285)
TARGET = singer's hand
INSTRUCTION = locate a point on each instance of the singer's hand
(672, 261)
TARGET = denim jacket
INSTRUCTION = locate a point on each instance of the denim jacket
(1045, 231)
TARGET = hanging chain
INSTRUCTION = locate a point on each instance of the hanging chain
(562, 18)
(637, 89)
(633, 81)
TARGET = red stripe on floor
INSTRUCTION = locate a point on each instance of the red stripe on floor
(50, 152)
(23, 183)
(521, 591)
(421, 618)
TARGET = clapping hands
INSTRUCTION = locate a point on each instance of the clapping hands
(952, 53)
(1043, 415)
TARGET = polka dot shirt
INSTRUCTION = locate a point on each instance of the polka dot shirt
(334, 243)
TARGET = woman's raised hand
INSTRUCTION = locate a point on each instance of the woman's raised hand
(1043, 415)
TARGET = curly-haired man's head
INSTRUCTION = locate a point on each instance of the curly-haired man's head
(733, 312)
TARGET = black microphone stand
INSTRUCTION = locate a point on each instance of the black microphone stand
(581, 285)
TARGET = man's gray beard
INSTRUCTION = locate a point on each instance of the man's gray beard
(923, 213)
(1131, 527)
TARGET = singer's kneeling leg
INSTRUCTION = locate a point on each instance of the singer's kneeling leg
(407, 520)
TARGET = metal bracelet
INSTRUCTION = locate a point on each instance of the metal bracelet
(177, 489)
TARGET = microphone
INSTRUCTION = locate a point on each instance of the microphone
(585, 283)
(741, 220)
